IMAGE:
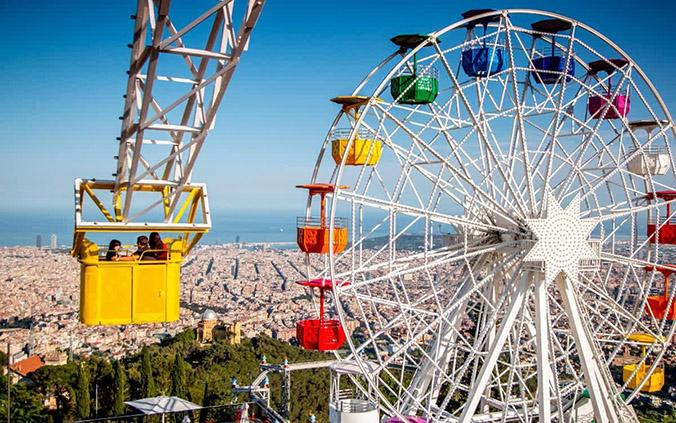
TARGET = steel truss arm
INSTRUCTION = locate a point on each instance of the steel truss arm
(185, 115)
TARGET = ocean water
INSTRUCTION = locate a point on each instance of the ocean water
(251, 226)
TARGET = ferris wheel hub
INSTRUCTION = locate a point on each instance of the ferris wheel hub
(562, 239)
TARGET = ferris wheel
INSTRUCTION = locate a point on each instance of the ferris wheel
(496, 220)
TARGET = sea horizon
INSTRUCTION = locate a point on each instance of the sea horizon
(19, 229)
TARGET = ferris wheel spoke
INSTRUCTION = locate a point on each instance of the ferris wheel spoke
(611, 310)
(631, 211)
(472, 348)
(559, 110)
(634, 262)
(451, 250)
(480, 133)
(564, 186)
(405, 268)
(447, 320)
(621, 165)
(433, 216)
(404, 156)
(521, 133)
(445, 185)
(439, 349)
(386, 326)
(450, 167)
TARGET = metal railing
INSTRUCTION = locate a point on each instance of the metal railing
(344, 133)
(547, 52)
(138, 257)
(354, 406)
(421, 70)
(649, 150)
(663, 222)
(593, 264)
(313, 323)
(303, 222)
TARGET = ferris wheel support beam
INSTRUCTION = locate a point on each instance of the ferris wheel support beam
(423, 377)
(494, 351)
(604, 407)
(542, 345)
(441, 349)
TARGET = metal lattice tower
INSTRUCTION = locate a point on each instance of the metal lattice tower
(177, 123)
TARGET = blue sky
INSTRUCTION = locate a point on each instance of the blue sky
(63, 66)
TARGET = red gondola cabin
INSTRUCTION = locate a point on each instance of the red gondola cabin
(320, 334)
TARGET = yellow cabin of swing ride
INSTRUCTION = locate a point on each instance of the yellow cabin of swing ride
(134, 291)
(165, 121)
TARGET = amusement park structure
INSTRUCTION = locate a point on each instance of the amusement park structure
(527, 156)
(531, 160)
(178, 74)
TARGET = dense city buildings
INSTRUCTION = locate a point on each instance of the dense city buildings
(227, 292)
(252, 287)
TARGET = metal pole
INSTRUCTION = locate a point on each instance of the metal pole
(9, 386)
(96, 400)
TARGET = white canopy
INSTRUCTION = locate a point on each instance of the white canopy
(161, 405)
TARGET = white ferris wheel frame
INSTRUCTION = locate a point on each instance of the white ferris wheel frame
(604, 407)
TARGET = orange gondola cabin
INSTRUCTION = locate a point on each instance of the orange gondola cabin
(313, 233)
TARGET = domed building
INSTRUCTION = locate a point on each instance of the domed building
(210, 328)
(205, 328)
(209, 315)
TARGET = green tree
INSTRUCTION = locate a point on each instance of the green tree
(61, 383)
(178, 380)
(206, 402)
(178, 377)
(83, 398)
(120, 388)
(147, 382)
